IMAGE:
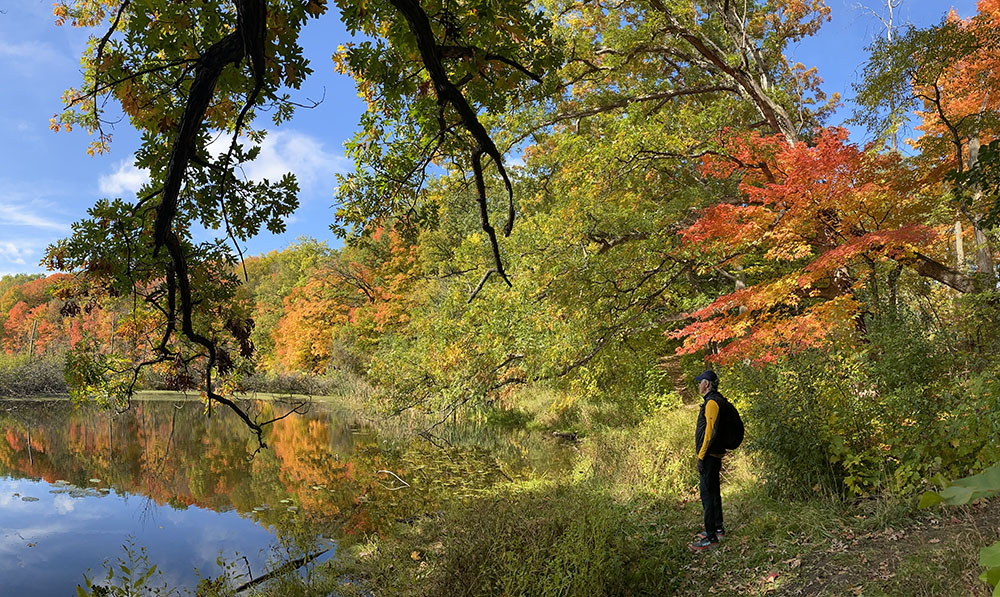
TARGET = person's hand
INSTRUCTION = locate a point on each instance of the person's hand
(701, 466)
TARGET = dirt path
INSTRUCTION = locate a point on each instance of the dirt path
(937, 555)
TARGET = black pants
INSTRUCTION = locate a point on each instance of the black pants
(711, 498)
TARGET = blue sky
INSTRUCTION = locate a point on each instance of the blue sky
(47, 180)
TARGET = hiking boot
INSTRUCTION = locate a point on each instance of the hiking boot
(703, 535)
(703, 545)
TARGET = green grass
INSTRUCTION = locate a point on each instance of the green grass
(620, 524)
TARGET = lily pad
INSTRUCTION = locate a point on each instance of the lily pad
(261, 509)
(28, 498)
(293, 509)
(95, 481)
(60, 482)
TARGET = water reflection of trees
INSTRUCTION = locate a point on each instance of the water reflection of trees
(324, 471)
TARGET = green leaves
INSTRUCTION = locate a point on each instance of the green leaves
(962, 491)
(494, 54)
(929, 499)
(896, 71)
(984, 485)
(983, 177)
(989, 557)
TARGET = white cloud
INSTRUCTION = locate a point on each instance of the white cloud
(127, 178)
(63, 504)
(12, 253)
(27, 57)
(14, 214)
(290, 151)
(30, 219)
(31, 50)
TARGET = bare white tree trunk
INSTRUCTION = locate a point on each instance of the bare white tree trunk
(984, 253)
(31, 338)
(959, 247)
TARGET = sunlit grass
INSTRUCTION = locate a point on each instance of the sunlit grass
(633, 495)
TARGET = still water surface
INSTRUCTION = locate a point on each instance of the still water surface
(76, 484)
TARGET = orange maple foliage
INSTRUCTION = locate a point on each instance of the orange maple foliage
(366, 290)
(38, 304)
(813, 212)
(967, 88)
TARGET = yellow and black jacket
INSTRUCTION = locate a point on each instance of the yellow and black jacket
(708, 424)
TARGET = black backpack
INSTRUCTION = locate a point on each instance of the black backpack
(730, 426)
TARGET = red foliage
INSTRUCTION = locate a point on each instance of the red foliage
(811, 213)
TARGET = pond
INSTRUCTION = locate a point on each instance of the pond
(78, 484)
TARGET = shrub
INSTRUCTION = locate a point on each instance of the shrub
(21, 376)
(885, 416)
(294, 383)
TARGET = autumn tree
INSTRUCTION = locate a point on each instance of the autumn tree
(946, 73)
(822, 232)
(271, 278)
(184, 74)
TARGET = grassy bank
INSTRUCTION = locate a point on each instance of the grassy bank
(619, 523)
(618, 520)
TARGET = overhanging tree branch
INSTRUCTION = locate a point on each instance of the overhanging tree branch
(247, 41)
(448, 93)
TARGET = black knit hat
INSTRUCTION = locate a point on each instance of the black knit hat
(708, 375)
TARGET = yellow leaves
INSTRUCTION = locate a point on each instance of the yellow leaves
(340, 64)
(564, 402)
(792, 250)
(100, 146)
(60, 11)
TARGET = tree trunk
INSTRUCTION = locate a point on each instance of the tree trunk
(928, 268)
(894, 287)
(740, 284)
(753, 84)
(31, 338)
(114, 321)
(959, 248)
(984, 253)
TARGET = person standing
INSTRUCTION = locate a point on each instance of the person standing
(709, 461)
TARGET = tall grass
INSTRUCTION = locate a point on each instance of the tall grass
(538, 539)
(302, 383)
